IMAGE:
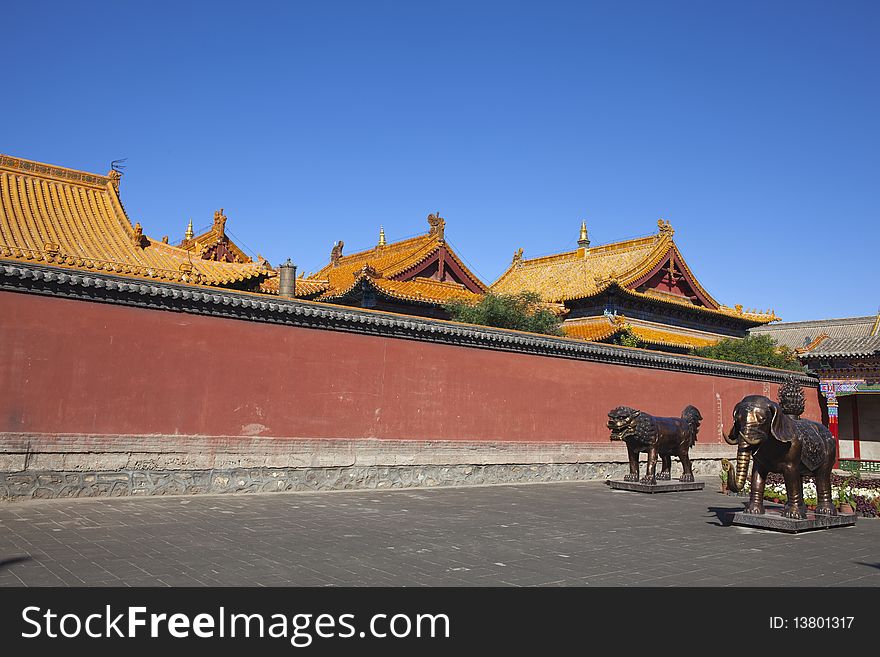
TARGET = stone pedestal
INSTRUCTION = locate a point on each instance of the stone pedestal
(673, 486)
(774, 521)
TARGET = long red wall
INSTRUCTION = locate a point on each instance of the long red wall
(70, 366)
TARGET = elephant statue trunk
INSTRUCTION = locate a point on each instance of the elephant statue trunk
(737, 475)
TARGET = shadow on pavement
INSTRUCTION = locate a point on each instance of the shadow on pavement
(5, 563)
(724, 515)
(871, 565)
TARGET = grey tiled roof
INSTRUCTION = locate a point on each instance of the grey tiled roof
(845, 347)
(799, 334)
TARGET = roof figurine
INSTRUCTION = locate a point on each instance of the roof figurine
(138, 235)
(219, 222)
(437, 225)
(665, 229)
(114, 177)
(336, 252)
(517, 257)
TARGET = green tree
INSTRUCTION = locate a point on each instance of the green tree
(521, 312)
(626, 338)
(754, 350)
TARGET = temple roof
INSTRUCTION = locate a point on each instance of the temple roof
(861, 347)
(627, 265)
(393, 270)
(75, 219)
(598, 329)
(394, 260)
(418, 290)
(214, 243)
(809, 334)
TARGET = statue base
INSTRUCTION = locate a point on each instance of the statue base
(663, 486)
(774, 521)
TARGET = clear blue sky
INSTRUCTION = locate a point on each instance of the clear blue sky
(754, 127)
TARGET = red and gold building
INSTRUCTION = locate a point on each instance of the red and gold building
(415, 276)
(642, 285)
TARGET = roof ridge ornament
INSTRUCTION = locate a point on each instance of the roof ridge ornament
(188, 235)
(382, 241)
(367, 270)
(437, 225)
(517, 258)
(584, 240)
(116, 170)
(336, 252)
(114, 176)
(665, 228)
(220, 222)
(138, 237)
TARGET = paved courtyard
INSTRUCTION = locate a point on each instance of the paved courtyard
(569, 534)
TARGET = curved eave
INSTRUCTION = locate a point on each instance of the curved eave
(756, 320)
(391, 293)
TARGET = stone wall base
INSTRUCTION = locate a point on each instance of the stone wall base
(46, 485)
(40, 466)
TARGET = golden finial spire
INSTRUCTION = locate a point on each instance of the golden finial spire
(188, 235)
(382, 236)
(584, 240)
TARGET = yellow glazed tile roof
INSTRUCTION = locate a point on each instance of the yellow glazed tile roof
(305, 287)
(578, 274)
(597, 329)
(594, 329)
(670, 338)
(586, 272)
(417, 289)
(75, 219)
(390, 266)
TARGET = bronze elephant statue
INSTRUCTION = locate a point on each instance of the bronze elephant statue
(658, 436)
(779, 443)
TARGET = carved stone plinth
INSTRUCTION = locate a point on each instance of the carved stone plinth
(660, 487)
(773, 520)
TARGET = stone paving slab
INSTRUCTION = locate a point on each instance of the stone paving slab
(564, 534)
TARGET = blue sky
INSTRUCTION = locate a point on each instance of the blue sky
(751, 126)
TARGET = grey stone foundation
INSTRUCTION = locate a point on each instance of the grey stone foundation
(105, 466)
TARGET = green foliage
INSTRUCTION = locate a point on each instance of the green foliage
(520, 312)
(754, 350)
(626, 338)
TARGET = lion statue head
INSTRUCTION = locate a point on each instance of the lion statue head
(629, 424)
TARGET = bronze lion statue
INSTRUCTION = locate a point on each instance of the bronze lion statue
(658, 436)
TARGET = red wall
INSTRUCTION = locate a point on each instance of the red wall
(70, 366)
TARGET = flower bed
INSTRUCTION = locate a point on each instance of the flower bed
(865, 493)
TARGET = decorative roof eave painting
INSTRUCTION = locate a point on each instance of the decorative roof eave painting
(76, 219)
(681, 280)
